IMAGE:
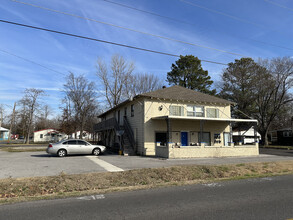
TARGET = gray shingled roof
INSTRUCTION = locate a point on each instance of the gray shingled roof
(176, 93)
(184, 94)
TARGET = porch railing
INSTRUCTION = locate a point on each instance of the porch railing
(106, 125)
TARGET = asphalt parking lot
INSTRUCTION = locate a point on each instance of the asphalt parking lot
(31, 164)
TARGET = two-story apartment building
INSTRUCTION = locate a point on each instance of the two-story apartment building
(173, 122)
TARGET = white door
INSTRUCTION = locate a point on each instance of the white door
(226, 138)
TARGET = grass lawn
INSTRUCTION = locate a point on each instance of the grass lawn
(63, 185)
(23, 149)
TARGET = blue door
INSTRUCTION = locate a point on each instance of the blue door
(184, 138)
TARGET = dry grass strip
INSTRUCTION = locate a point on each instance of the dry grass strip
(21, 189)
(23, 149)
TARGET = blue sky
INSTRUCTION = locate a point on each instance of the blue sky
(248, 28)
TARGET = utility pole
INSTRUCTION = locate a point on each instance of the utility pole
(12, 121)
(1, 119)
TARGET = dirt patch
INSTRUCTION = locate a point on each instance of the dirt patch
(20, 189)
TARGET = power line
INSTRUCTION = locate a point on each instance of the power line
(222, 13)
(192, 24)
(148, 12)
(243, 20)
(129, 29)
(103, 41)
(4, 51)
(279, 5)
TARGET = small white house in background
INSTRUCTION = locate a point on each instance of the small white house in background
(49, 135)
(4, 134)
(246, 136)
(86, 135)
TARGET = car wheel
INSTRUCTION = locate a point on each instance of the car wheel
(61, 153)
(96, 151)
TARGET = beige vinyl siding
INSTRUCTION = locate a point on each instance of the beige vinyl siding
(136, 122)
(145, 128)
(152, 109)
(109, 115)
(157, 108)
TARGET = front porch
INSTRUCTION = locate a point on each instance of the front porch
(172, 151)
(189, 137)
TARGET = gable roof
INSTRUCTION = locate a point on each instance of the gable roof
(183, 94)
(176, 93)
(47, 129)
(3, 129)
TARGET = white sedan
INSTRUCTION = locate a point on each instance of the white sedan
(74, 146)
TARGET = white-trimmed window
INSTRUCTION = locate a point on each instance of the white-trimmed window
(195, 111)
(41, 136)
(212, 113)
(176, 110)
(287, 133)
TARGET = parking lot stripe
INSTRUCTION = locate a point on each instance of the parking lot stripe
(107, 166)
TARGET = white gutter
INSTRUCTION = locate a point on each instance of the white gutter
(207, 119)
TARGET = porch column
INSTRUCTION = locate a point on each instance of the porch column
(255, 134)
(169, 130)
(201, 123)
(231, 134)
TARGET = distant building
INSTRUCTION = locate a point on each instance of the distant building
(282, 137)
(49, 135)
(85, 135)
(4, 134)
(246, 136)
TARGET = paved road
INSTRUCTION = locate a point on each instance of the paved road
(30, 164)
(264, 198)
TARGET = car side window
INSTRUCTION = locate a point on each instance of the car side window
(65, 142)
(71, 142)
(81, 143)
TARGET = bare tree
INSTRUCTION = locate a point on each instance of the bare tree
(1, 114)
(21, 119)
(91, 120)
(261, 90)
(272, 91)
(114, 81)
(82, 95)
(141, 83)
(43, 120)
(12, 120)
(30, 102)
(68, 121)
(284, 117)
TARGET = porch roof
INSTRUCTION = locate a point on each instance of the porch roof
(205, 119)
